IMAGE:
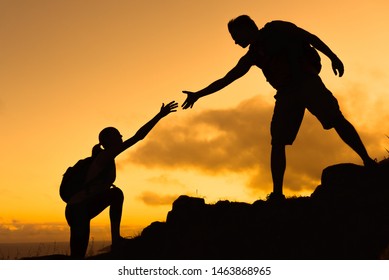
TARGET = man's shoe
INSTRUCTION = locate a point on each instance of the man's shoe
(371, 163)
(118, 243)
(276, 197)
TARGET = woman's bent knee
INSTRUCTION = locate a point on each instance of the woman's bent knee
(76, 215)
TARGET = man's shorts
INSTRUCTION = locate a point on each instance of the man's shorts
(291, 103)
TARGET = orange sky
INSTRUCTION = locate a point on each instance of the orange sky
(70, 68)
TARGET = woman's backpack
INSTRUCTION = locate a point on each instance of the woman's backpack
(74, 179)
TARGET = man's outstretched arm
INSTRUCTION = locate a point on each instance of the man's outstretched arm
(318, 44)
(235, 73)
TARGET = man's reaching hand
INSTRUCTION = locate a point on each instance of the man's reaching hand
(191, 99)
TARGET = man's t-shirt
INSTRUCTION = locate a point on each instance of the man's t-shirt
(282, 54)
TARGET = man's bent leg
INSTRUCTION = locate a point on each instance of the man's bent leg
(350, 136)
(326, 108)
(278, 166)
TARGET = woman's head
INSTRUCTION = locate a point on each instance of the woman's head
(110, 137)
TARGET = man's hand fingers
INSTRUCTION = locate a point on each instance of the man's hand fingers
(338, 72)
(186, 105)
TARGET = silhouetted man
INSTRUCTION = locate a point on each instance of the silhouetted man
(288, 58)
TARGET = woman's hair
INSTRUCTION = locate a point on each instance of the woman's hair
(96, 150)
(242, 22)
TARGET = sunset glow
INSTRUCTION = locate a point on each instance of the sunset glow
(70, 68)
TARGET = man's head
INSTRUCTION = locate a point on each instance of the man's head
(242, 30)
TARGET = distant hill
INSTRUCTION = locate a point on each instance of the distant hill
(346, 217)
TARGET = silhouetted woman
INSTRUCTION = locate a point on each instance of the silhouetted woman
(100, 192)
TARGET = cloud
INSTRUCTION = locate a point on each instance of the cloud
(238, 140)
(212, 141)
(16, 231)
(154, 199)
(166, 180)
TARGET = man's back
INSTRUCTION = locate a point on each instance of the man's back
(282, 54)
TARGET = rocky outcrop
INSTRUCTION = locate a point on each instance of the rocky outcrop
(346, 217)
